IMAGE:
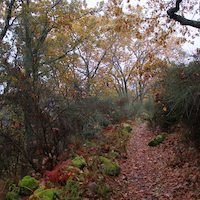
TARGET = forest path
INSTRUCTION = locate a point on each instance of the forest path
(152, 173)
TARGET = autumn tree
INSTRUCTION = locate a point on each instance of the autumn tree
(140, 51)
(26, 67)
(7, 12)
(93, 49)
(90, 58)
(109, 44)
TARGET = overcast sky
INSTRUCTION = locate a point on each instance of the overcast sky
(92, 3)
(188, 47)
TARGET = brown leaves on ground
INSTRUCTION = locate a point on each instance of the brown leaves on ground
(168, 171)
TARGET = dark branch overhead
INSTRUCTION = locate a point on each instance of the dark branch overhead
(55, 4)
(184, 21)
(7, 20)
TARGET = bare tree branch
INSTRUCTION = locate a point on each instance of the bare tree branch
(55, 4)
(184, 21)
(101, 59)
(7, 20)
(62, 56)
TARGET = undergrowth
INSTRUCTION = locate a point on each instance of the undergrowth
(178, 100)
(68, 180)
(54, 125)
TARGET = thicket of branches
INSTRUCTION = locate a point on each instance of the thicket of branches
(55, 124)
(178, 98)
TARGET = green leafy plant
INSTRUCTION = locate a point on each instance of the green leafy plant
(48, 194)
(25, 187)
(71, 190)
(178, 98)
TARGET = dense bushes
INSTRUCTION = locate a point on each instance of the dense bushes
(88, 116)
(178, 98)
(57, 124)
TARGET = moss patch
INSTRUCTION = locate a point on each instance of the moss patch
(157, 140)
(79, 162)
(27, 184)
(127, 127)
(12, 195)
(108, 167)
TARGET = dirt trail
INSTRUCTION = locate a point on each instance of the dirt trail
(143, 166)
(148, 173)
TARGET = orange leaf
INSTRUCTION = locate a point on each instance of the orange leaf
(32, 95)
(165, 109)
(38, 152)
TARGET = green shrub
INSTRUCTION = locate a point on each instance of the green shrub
(137, 108)
(145, 111)
(79, 162)
(72, 189)
(114, 154)
(178, 98)
(25, 187)
(89, 116)
(128, 111)
(57, 123)
(127, 127)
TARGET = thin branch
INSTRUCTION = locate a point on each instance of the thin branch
(43, 38)
(7, 20)
(62, 56)
(86, 63)
(97, 66)
(55, 4)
